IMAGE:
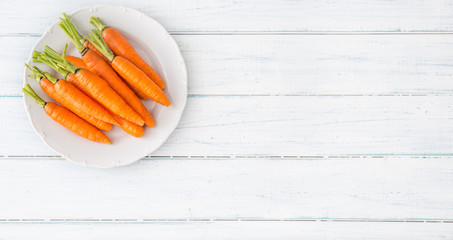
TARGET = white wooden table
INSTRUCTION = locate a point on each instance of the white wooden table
(305, 119)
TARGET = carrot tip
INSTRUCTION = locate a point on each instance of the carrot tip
(108, 128)
(151, 125)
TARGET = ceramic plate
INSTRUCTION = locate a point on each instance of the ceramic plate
(156, 47)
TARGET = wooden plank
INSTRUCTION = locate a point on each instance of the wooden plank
(390, 188)
(12, 63)
(230, 230)
(276, 126)
(293, 65)
(251, 16)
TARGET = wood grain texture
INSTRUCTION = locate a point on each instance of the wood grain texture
(229, 230)
(289, 126)
(289, 131)
(250, 16)
(293, 65)
(390, 188)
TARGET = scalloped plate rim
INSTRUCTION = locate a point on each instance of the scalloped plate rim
(168, 134)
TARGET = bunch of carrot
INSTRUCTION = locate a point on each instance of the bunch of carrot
(101, 88)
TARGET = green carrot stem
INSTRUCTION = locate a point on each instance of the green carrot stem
(51, 62)
(72, 33)
(38, 74)
(36, 54)
(49, 77)
(58, 59)
(46, 75)
(29, 91)
(97, 23)
(52, 53)
(95, 38)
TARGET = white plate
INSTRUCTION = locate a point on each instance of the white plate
(156, 47)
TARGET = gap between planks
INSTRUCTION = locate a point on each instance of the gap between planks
(153, 220)
(292, 95)
(274, 33)
(241, 157)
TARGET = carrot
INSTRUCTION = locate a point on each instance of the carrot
(68, 119)
(105, 71)
(88, 45)
(67, 26)
(138, 78)
(137, 92)
(97, 87)
(98, 66)
(121, 47)
(129, 71)
(107, 96)
(130, 127)
(74, 96)
(73, 79)
(46, 81)
(78, 62)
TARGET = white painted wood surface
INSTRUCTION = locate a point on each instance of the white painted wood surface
(251, 16)
(283, 126)
(229, 230)
(306, 119)
(293, 64)
(388, 188)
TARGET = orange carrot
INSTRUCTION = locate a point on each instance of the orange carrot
(78, 62)
(73, 79)
(68, 119)
(121, 47)
(130, 127)
(129, 72)
(103, 69)
(74, 95)
(88, 45)
(81, 101)
(137, 92)
(139, 79)
(104, 94)
(48, 87)
(97, 87)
